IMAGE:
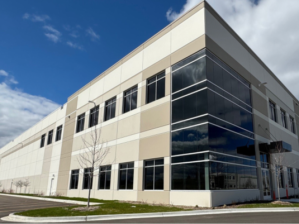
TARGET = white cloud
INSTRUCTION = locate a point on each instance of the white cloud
(52, 34)
(272, 32)
(172, 15)
(36, 18)
(73, 45)
(19, 111)
(3, 73)
(94, 36)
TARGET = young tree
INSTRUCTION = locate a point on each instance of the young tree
(20, 185)
(277, 160)
(92, 155)
(26, 184)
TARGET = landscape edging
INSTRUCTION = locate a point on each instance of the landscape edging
(17, 218)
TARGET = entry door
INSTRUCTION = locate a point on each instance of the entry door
(266, 184)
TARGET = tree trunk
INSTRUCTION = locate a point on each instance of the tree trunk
(89, 190)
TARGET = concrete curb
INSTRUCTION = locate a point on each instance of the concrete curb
(51, 199)
(17, 218)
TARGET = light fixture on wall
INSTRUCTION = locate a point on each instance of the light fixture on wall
(262, 84)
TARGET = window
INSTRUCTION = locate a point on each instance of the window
(290, 178)
(74, 179)
(297, 177)
(279, 171)
(283, 118)
(154, 174)
(272, 111)
(188, 176)
(155, 87)
(126, 176)
(58, 133)
(130, 99)
(110, 106)
(93, 116)
(42, 140)
(50, 136)
(80, 122)
(292, 122)
(87, 178)
(104, 177)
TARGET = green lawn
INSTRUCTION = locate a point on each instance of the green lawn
(108, 208)
(267, 205)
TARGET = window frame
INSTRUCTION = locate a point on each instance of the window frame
(155, 82)
(130, 94)
(87, 173)
(283, 118)
(272, 105)
(292, 124)
(119, 176)
(108, 105)
(93, 113)
(81, 117)
(290, 177)
(58, 133)
(154, 173)
(42, 140)
(50, 137)
(104, 171)
(77, 174)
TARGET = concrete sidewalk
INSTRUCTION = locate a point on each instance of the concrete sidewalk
(15, 218)
(51, 199)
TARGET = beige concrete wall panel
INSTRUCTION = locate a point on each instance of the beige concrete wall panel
(143, 95)
(109, 132)
(187, 15)
(187, 31)
(296, 107)
(118, 110)
(156, 146)
(260, 126)
(129, 126)
(157, 36)
(156, 68)
(156, 117)
(127, 152)
(166, 177)
(62, 183)
(111, 93)
(167, 84)
(160, 197)
(112, 79)
(191, 48)
(131, 67)
(191, 198)
(78, 142)
(259, 103)
(140, 179)
(227, 197)
(131, 82)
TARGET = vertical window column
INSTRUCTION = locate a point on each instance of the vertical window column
(110, 106)
(104, 177)
(50, 136)
(155, 87)
(292, 123)
(74, 179)
(272, 111)
(42, 140)
(283, 118)
(154, 174)
(290, 178)
(130, 99)
(94, 116)
(87, 178)
(58, 133)
(80, 123)
(126, 176)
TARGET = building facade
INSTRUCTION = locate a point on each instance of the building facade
(191, 117)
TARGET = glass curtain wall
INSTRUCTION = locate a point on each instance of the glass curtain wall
(211, 112)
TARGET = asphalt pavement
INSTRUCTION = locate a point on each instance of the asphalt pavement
(16, 204)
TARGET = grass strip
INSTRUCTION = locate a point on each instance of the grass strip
(109, 208)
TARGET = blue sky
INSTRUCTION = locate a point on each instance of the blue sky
(51, 67)
(50, 49)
